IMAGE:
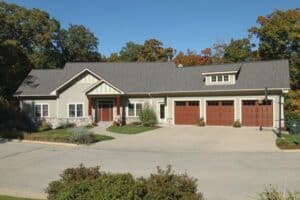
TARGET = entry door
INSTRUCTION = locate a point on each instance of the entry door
(105, 111)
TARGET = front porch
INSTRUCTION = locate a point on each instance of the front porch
(105, 108)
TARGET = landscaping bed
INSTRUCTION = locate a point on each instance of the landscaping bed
(131, 129)
(288, 141)
(4, 197)
(67, 135)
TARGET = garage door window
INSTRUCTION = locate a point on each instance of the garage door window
(248, 103)
(227, 103)
(213, 103)
(180, 103)
(193, 103)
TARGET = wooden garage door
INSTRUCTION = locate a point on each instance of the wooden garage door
(220, 113)
(257, 114)
(186, 112)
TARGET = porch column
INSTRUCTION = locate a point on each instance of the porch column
(90, 106)
(118, 102)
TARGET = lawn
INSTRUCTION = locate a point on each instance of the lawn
(130, 129)
(3, 197)
(288, 141)
(59, 135)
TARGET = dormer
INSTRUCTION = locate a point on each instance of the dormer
(220, 77)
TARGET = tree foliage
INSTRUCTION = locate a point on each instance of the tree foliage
(30, 38)
(153, 51)
(238, 50)
(78, 43)
(130, 52)
(191, 58)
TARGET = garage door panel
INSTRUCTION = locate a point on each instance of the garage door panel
(257, 114)
(220, 112)
(186, 112)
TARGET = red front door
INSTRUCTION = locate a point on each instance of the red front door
(105, 111)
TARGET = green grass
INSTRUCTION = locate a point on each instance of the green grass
(59, 135)
(130, 129)
(3, 197)
(287, 141)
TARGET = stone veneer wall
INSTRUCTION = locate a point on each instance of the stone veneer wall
(56, 122)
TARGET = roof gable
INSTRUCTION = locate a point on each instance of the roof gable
(103, 88)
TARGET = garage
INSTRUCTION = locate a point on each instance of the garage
(220, 113)
(187, 112)
(257, 113)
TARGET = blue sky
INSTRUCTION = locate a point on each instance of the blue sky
(188, 24)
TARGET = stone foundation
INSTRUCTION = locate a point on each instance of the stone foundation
(56, 122)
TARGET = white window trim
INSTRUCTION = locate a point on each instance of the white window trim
(134, 108)
(42, 113)
(83, 113)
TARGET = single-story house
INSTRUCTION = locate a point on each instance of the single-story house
(86, 92)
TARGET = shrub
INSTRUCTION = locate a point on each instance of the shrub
(237, 124)
(13, 119)
(201, 122)
(44, 126)
(167, 185)
(148, 116)
(11, 134)
(89, 183)
(271, 193)
(82, 135)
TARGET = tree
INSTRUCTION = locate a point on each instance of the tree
(279, 36)
(153, 51)
(238, 50)
(191, 58)
(130, 52)
(114, 57)
(218, 51)
(78, 43)
(32, 31)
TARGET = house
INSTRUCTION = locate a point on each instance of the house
(82, 93)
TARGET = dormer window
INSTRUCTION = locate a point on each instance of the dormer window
(220, 78)
(213, 78)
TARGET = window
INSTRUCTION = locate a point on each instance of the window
(130, 109)
(226, 78)
(134, 109)
(227, 103)
(180, 103)
(249, 102)
(193, 103)
(76, 110)
(162, 111)
(213, 79)
(220, 78)
(212, 103)
(41, 110)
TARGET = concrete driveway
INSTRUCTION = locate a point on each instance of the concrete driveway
(194, 139)
(229, 163)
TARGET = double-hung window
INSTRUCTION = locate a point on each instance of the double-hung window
(134, 109)
(41, 110)
(75, 110)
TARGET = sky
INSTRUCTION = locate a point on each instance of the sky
(181, 24)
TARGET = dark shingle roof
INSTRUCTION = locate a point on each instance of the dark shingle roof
(161, 77)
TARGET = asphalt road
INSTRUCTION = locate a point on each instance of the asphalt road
(26, 169)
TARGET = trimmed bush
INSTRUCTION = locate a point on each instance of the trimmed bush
(271, 193)
(89, 183)
(82, 135)
(237, 124)
(44, 126)
(148, 116)
(201, 122)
